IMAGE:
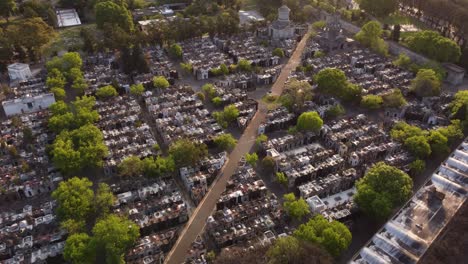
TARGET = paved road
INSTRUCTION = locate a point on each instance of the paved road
(198, 219)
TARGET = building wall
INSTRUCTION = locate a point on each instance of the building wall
(28, 104)
(19, 75)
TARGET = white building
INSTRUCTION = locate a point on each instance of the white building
(28, 104)
(281, 28)
(19, 72)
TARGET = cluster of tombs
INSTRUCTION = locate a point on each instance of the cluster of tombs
(158, 209)
(31, 234)
(320, 165)
(25, 169)
(206, 55)
(103, 69)
(245, 212)
(124, 130)
(179, 113)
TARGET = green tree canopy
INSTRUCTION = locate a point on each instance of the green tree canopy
(281, 178)
(402, 130)
(278, 52)
(106, 92)
(251, 159)
(372, 101)
(131, 166)
(77, 248)
(109, 12)
(75, 199)
(137, 89)
(295, 94)
(113, 236)
(159, 166)
(209, 90)
(382, 189)
(394, 99)
(296, 208)
(438, 143)
(434, 46)
(333, 82)
(160, 82)
(225, 142)
(176, 51)
(289, 249)
(7, 8)
(78, 149)
(333, 236)
(309, 122)
(69, 64)
(452, 132)
(187, 153)
(78, 114)
(261, 139)
(269, 164)
(244, 65)
(371, 36)
(426, 83)
(227, 116)
(380, 8)
(417, 167)
(418, 146)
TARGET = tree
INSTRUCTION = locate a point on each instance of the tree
(403, 61)
(380, 8)
(296, 93)
(78, 149)
(225, 142)
(55, 79)
(370, 36)
(74, 198)
(417, 167)
(113, 236)
(108, 12)
(262, 138)
(438, 143)
(106, 92)
(227, 116)
(459, 108)
(244, 65)
(131, 166)
(331, 81)
(7, 8)
(394, 99)
(217, 101)
(69, 63)
(281, 178)
(176, 51)
(418, 146)
(77, 248)
(209, 90)
(335, 111)
(103, 200)
(31, 34)
(251, 159)
(78, 114)
(434, 46)
(160, 82)
(333, 236)
(137, 89)
(269, 164)
(157, 167)
(289, 249)
(278, 52)
(402, 131)
(187, 153)
(426, 83)
(309, 122)
(452, 132)
(382, 189)
(296, 208)
(372, 101)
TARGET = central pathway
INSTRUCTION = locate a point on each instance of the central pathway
(198, 219)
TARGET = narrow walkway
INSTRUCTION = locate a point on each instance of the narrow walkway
(198, 219)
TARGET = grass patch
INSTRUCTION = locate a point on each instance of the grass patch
(67, 39)
(272, 101)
